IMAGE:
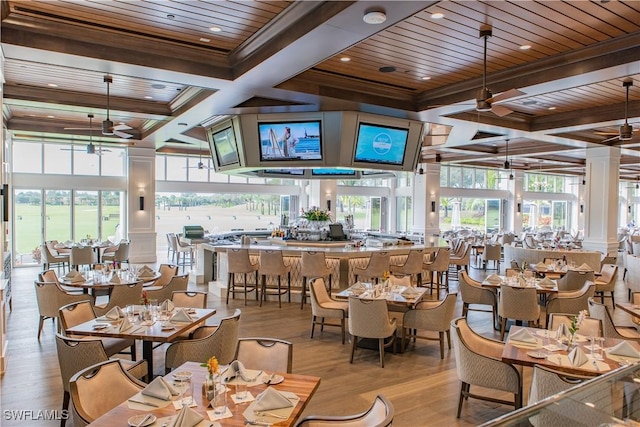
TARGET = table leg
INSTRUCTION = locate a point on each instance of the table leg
(147, 354)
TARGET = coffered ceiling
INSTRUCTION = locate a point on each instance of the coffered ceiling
(179, 65)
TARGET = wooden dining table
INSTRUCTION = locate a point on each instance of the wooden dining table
(147, 333)
(395, 299)
(536, 284)
(525, 354)
(304, 386)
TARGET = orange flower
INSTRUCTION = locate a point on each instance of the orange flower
(386, 275)
(212, 365)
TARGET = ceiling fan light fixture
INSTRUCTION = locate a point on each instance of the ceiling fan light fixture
(481, 100)
(507, 165)
(91, 149)
(626, 132)
(374, 17)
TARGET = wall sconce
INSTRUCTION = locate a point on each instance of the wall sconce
(329, 204)
(141, 199)
(581, 208)
(519, 207)
(629, 208)
(433, 206)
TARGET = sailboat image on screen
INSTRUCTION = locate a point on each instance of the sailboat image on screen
(290, 140)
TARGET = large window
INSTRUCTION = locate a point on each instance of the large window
(464, 177)
(404, 214)
(479, 214)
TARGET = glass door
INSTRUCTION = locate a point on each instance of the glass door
(27, 228)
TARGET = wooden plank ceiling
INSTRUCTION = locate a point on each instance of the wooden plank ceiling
(186, 62)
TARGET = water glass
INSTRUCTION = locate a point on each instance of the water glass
(600, 356)
(185, 385)
(241, 391)
(130, 311)
(153, 308)
(219, 402)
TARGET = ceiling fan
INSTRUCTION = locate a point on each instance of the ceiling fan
(90, 148)
(108, 128)
(485, 101)
(201, 165)
(626, 130)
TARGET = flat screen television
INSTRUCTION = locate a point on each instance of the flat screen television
(297, 172)
(290, 140)
(333, 172)
(225, 146)
(379, 144)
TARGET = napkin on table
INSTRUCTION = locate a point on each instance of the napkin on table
(125, 325)
(563, 331)
(271, 399)
(160, 389)
(541, 265)
(357, 287)
(187, 418)
(494, 279)
(167, 305)
(74, 276)
(577, 357)
(236, 370)
(115, 313)
(624, 349)
(115, 278)
(523, 335)
(410, 292)
(546, 283)
(584, 267)
(181, 316)
(145, 271)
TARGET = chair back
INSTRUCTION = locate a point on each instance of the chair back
(441, 261)
(272, 263)
(369, 318)
(76, 313)
(314, 264)
(518, 303)
(167, 271)
(401, 279)
(122, 253)
(81, 255)
(173, 241)
(239, 262)
(93, 381)
(608, 274)
(590, 327)
(430, 318)
(267, 354)
(122, 295)
(48, 276)
(413, 263)
(378, 264)
(177, 283)
(191, 299)
(380, 414)
(574, 280)
(492, 252)
(319, 294)
(75, 354)
(601, 312)
(472, 292)
(47, 298)
(45, 253)
(514, 264)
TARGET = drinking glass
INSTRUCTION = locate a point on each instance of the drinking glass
(241, 391)
(153, 307)
(185, 385)
(219, 402)
(600, 355)
(130, 312)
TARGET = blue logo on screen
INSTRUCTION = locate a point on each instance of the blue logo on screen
(380, 144)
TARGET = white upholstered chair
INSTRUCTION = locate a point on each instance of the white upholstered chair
(370, 319)
(380, 414)
(430, 316)
(266, 354)
(518, 304)
(323, 307)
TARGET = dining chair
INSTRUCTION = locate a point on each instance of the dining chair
(517, 304)
(609, 329)
(51, 259)
(51, 276)
(122, 295)
(574, 280)
(438, 267)
(110, 381)
(461, 262)
(120, 255)
(370, 319)
(492, 252)
(171, 253)
(81, 255)
(473, 294)
(192, 299)
(166, 271)
(380, 414)
(430, 316)
(80, 312)
(479, 363)
(324, 307)
(312, 264)
(50, 297)
(412, 266)
(590, 327)
(377, 265)
(76, 354)
(571, 301)
(266, 354)
(181, 249)
(272, 264)
(206, 341)
(607, 282)
(161, 293)
(239, 263)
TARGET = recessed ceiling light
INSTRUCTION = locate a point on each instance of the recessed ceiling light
(52, 85)
(204, 40)
(426, 78)
(345, 59)
(387, 69)
(148, 97)
(215, 29)
(437, 15)
(182, 124)
(170, 16)
(51, 117)
(158, 86)
(552, 108)
(525, 47)
(374, 17)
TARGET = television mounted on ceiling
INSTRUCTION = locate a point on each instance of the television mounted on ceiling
(333, 173)
(290, 140)
(225, 145)
(380, 144)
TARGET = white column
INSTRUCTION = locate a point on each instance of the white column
(141, 194)
(323, 195)
(601, 199)
(426, 203)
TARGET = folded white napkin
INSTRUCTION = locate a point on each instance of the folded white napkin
(160, 389)
(541, 265)
(624, 349)
(187, 418)
(71, 274)
(563, 332)
(236, 370)
(167, 305)
(584, 267)
(357, 287)
(546, 283)
(410, 292)
(271, 399)
(494, 279)
(181, 316)
(125, 325)
(115, 313)
(145, 271)
(74, 276)
(115, 278)
(577, 357)
(523, 335)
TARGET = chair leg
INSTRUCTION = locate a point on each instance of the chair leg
(441, 335)
(503, 325)
(303, 294)
(465, 309)
(342, 328)
(40, 326)
(245, 288)
(289, 286)
(448, 338)
(462, 392)
(354, 340)
(279, 293)
(263, 289)
(381, 350)
(322, 324)
(613, 300)
(230, 286)
(313, 325)
(65, 407)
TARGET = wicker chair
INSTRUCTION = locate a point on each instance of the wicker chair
(609, 329)
(574, 280)
(121, 296)
(312, 264)
(272, 264)
(190, 299)
(93, 381)
(207, 340)
(607, 282)
(433, 316)
(440, 268)
(518, 304)
(589, 327)
(370, 319)
(412, 265)
(472, 292)
(177, 283)
(378, 264)
(380, 414)
(50, 297)
(79, 312)
(479, 363)
(267, 354)
(50, 259)
(76, 354)
(240, 263)
(570, 302)
(323, 307)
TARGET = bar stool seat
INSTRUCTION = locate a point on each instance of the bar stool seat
(378, 264)
(313, 264)
(240, 263)
(272, 264)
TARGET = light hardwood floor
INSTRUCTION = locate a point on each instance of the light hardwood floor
(422, 387)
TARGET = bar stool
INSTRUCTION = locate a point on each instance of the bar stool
(377, 266)
(272, 264)
(412, 265)
(239, 263)
(439, 267)
(313, 264)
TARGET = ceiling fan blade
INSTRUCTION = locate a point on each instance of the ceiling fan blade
(500, 111)
(121, 134)
(122, 126)
(602, 133)
(85, 128)
(613, 138)
(511, 93)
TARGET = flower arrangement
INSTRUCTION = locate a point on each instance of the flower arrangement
(212, 366)
(144, 298)
(386, 275)
(316, 214)
(576, 321)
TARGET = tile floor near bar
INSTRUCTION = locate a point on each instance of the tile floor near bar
(423, 388)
